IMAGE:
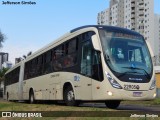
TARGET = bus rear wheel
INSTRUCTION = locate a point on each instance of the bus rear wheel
(113, 104)
(69, 97)
(31, 97)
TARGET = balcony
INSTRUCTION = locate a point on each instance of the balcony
(133, 5)
(133, 11)
(133, 27)
(141, 2)
(132, 21)
(141, 31)
(141, 7)
(132, 1)
(141, 18)
(141, 24)
(141, 13)
(132, 16)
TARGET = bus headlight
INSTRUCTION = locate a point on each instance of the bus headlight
(153, 85)
(112, 81)
(154, 95)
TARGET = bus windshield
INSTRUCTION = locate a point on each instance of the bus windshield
(127, 55)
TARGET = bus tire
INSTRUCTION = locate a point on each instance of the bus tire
(69, 97)
(113, 104)
(31, 97)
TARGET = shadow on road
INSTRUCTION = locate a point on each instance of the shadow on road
(124, 107)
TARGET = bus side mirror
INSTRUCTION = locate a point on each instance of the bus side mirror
(150, 49)
(95, 43)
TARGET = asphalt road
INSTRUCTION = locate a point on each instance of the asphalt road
(125, 107)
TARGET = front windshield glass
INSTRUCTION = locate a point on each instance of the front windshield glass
(127, 56)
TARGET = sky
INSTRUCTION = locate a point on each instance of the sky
(30, 27)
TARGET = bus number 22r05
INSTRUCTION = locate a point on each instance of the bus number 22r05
(131, 87)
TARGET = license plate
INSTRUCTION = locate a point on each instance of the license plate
(137, 94)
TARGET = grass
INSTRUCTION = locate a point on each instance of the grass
(146, 103)
(15, 106)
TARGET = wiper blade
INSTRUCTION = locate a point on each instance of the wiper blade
(147, 75)
(107, 57)
(121, 75)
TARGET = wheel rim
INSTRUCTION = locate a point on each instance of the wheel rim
(31, 98)
(70, 96)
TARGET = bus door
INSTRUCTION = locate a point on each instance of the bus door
(86, 68)
(91, 69)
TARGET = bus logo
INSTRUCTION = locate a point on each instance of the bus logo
(6, 114)
(76, 78)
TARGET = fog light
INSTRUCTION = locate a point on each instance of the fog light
(110, 93)
(154, 95)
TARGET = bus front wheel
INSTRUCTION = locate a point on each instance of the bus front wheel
(69, 97)
(113, 104)
(31, 97)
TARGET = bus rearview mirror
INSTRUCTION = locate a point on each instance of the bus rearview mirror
(150, 49)
(95, 43)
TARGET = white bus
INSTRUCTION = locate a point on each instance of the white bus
(90, 63)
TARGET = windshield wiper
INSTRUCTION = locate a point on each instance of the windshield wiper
(147, 75)
(107, 57)
(121, 75)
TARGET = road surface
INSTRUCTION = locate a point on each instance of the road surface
(125, 107)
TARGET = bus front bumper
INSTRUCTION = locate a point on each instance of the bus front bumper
(133, 95)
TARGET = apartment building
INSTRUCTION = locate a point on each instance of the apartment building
(3, 58)
(103, 18)
(137, 15)
(157, 37)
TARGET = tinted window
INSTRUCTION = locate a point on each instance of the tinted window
(12, 77)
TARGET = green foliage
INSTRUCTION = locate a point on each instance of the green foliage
(2, 73)
(2, 38)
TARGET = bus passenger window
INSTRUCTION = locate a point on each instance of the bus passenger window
(72, 46)
(86, 59)
(57, 65)
(97, 72)
(47, 62)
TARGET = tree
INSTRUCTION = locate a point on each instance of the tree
(2, 39)
(2, 73)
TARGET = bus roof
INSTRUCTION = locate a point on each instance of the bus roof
(105, 27)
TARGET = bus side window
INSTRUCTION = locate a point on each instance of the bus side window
(58, 54)
(40, 65)
(86, 59)
(97, 72)
(47, 62)
(71, 48)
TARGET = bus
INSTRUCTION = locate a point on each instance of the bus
(90, 63)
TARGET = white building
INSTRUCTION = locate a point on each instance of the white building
(103, 17)
(157, 37)
(3, 58)
(7, 64)
(136, 15)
